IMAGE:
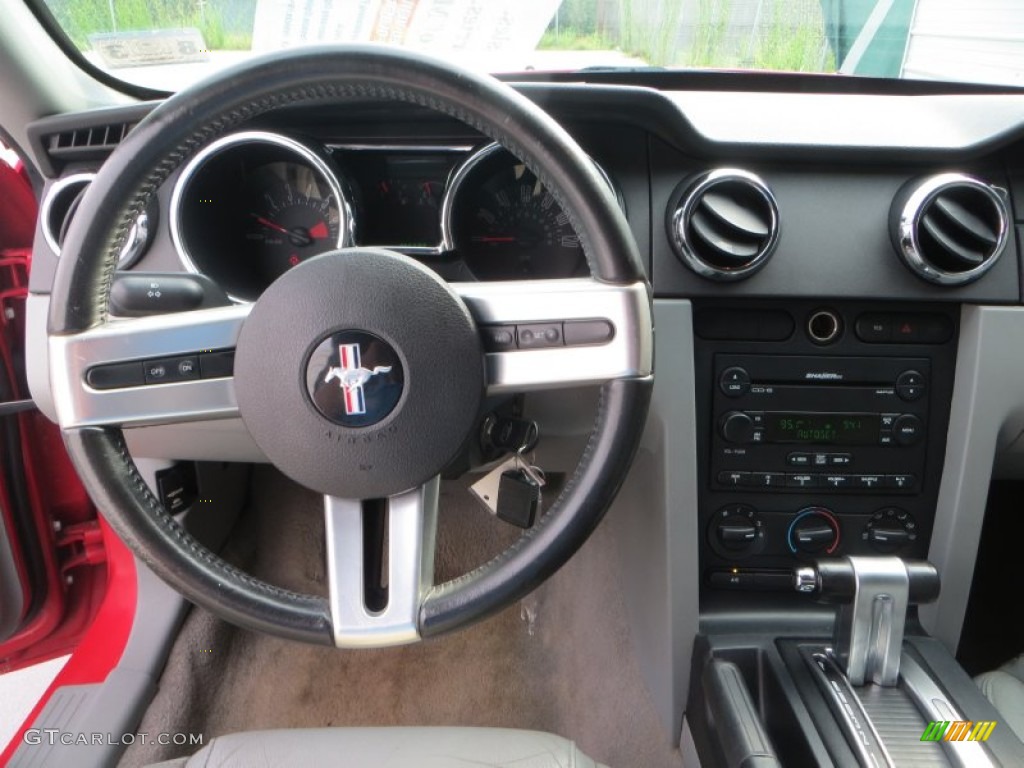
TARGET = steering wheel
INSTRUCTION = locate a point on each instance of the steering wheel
(386, 305)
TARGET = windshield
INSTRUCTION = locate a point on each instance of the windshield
(167, 44)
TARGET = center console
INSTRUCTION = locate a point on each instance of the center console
(823, 432)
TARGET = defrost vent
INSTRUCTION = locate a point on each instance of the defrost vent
(950, 229)
(81, 143)
(724, 224)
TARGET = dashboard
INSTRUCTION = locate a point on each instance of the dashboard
(255, 203)
(836, 281)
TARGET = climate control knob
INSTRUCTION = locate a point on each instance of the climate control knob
(737, 427)
(814, 531)
(736, 531)
(890, 530)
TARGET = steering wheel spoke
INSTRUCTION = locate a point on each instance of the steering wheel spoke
(105, 375)
(550, 334)
(380, 565)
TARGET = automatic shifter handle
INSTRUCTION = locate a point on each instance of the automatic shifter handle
(874, 593)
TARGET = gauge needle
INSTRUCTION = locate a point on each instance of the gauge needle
(493, 239)
(269, 224)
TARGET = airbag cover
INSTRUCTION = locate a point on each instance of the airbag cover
(359, 373)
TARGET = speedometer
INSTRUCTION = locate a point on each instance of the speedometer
(505, 224)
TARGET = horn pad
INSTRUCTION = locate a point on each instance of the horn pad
(359, 373)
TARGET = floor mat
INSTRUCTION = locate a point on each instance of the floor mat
(559, 661)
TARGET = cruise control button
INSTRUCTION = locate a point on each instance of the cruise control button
(218, 364)
(734, 382)
(498, 338)
(588, 332)
(185, 368)
(539, 335)
(116, 375)
(156, 372)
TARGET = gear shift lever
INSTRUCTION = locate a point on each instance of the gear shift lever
(874, 593)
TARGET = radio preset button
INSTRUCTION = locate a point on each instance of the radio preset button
(733, 479)
(838, 481)
(802, 480)
(868, 482)
(764, 480)
(904, 482)
(734, 382)
(908, 429)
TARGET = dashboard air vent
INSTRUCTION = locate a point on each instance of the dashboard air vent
(87, 142)
(950, 228)
(59, 206)
(724, 224)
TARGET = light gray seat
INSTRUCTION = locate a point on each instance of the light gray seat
(387, 748)
(1004, 687)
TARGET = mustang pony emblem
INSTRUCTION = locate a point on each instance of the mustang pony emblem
(352, 376)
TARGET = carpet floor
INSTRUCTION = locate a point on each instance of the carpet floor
(560, 660)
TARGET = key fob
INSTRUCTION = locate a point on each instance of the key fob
(518, 498)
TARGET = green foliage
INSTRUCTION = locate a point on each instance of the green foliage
(81, 18)
(569, 39)
(791, 47)
(709, 34)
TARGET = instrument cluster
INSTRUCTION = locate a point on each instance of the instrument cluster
(253, 204)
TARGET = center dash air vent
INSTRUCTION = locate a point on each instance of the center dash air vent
(950, 228)
(725, 224)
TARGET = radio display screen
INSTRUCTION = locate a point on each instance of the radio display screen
(822, 428)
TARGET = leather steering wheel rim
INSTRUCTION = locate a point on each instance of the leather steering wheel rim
(165, 140)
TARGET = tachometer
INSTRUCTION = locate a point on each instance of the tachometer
(290, 216)
(505, 224)
(254, 204)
